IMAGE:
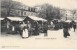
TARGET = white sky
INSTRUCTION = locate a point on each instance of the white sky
(68, 4)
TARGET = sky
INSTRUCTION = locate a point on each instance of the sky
(66, 4)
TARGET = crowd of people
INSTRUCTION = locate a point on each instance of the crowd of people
(66, 26)
(33, 29)
(28, 29)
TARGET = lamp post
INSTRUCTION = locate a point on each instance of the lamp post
(73, 12)
(66, 16)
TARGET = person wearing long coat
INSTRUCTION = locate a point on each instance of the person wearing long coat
(36, 28)
(29, 26)
(65, 30)
(74, 25)
(70, 24)
(45, 27)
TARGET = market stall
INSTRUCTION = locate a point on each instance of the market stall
(36, 24)
(3, 25)
(13, 24)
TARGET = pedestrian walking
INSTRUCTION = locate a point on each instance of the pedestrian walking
(70, 24)
(74, 25)
(65, 30)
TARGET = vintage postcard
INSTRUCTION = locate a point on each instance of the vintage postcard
(38, 24)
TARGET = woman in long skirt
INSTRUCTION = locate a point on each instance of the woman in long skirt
(65, 30)
(66, 33)
(25, 33)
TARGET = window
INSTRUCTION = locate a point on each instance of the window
(24, 13)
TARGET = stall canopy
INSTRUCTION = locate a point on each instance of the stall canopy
(55, 20)
(26, 18)
(16, 18)
(68, 21)
(75, 20)
(37, 18)
(1, 19)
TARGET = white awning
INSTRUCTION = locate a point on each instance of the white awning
(16, 18)
(59, 20)
(68, 21)
(1, 18)
(75, 20)
(37, 18)
(54, 19)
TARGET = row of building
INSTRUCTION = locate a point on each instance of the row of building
(68, 14)
(16, 9)
(19, 12)
(22, 10)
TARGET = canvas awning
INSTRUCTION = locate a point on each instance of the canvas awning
(54, 19)
(16, 18)
(75, 20)
(1, 18)
(59, 20)
(37, 18)
(68, 21)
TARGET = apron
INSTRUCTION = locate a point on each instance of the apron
(25, 33)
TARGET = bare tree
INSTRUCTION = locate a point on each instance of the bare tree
(49, 12)
(73, 12)
(11, 7)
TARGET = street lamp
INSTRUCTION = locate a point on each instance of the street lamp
(66, 16)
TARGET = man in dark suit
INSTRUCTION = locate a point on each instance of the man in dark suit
(74, 25)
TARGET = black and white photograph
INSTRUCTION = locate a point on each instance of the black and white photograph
(38, 24)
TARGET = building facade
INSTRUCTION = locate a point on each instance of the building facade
(67, 14)
(13, 8)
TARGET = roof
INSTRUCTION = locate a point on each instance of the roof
(1, 18)
(16, 18)
(37, 18)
